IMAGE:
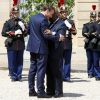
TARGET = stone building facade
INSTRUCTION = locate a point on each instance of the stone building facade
(81, 15)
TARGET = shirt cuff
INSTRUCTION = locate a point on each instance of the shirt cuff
(53, 33)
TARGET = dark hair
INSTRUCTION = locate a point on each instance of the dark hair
(48, 7)
(54, 18)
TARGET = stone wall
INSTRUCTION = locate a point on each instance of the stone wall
(5, 6)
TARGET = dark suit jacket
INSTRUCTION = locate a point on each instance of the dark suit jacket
(60, 28)
(37, 42)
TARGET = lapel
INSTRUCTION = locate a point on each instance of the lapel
(54, 23)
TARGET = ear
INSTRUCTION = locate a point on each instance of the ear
(46, 11)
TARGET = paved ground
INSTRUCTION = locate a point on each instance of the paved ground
(81, 88)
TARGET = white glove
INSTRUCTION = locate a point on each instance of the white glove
(21, 24)
(68, 24)
(18, 32)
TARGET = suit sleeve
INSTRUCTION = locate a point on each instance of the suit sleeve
(44, 26)
(61, 31)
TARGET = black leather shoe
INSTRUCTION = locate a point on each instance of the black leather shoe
(97, 79)
(58, 95)
(90, 76)
(14, 80)
(50, 94)
(66, 80)
(20, 80)
(43, 96)
(32, 94)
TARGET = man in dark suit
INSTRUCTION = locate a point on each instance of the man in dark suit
(38, 48)
(54, 68)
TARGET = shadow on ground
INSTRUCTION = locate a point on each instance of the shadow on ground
(73, 95)
(24, 74)
(24, 77)
(76, 79)
(80, 81)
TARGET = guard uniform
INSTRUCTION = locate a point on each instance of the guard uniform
(87, 31)
(96, 48)
(14, 30)
(68, 51)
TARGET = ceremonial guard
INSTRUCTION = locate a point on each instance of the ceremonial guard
(66, 63)
(88, 29)
(96, 48)
(14, 30)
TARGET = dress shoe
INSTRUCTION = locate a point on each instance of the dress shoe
(58, 95)
(20, 79)
(32, 94)
(9, 75)
(14, 80)
(90, 76)
(50, 94)
(97, 78)
(66, 80)
(43, 96)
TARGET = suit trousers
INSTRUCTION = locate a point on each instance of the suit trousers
(37, 66)
(54, 71)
